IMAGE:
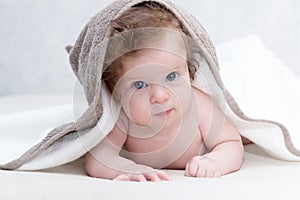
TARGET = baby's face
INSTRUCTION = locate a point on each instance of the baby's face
(154, 87)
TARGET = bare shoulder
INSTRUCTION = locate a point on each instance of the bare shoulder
(206, 108)
(115, 139)
(118, 135)
(202, 98)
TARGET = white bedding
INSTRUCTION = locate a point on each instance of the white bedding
(261, 177)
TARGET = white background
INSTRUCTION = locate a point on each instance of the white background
(34, 33)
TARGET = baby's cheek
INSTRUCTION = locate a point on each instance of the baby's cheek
(183, 95)
(138, 111)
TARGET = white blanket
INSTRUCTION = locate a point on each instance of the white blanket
(264, 89)
(261, 177)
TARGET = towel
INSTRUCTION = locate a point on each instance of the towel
(92, 116)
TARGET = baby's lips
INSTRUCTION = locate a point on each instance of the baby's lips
(164, 113)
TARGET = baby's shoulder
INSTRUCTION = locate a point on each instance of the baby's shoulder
(201, 97)
(123, 121)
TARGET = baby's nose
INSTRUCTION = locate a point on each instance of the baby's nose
(159, 94)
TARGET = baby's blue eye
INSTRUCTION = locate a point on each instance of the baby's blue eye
(139, 85)
(172, 76)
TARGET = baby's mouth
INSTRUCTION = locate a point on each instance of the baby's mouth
(164, 113)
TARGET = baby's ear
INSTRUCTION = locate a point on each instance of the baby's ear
(117, 95)
(68, 48)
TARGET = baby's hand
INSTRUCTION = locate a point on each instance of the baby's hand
(157, 175)
(200, 166)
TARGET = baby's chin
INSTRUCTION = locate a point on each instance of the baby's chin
(170, 119)
(158, 118)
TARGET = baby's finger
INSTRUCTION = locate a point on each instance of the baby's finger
(193, 169)
(163, 175)
(186, 173)
(217, 174)
(122, 177)
(212, 174)
(137, 177)
(201, 172)
(152, 177)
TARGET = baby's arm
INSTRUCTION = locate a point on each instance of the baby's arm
(104, 161)
(222, 141)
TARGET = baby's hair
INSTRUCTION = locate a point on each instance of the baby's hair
(142, 15)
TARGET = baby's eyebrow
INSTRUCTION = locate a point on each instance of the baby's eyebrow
(181, 66)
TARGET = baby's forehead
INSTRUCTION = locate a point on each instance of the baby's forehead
(153, 59)
(151, 71)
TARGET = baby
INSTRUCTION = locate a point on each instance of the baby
(164, 122)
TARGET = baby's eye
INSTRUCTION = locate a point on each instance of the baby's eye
(139, 85)
(172, 76)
